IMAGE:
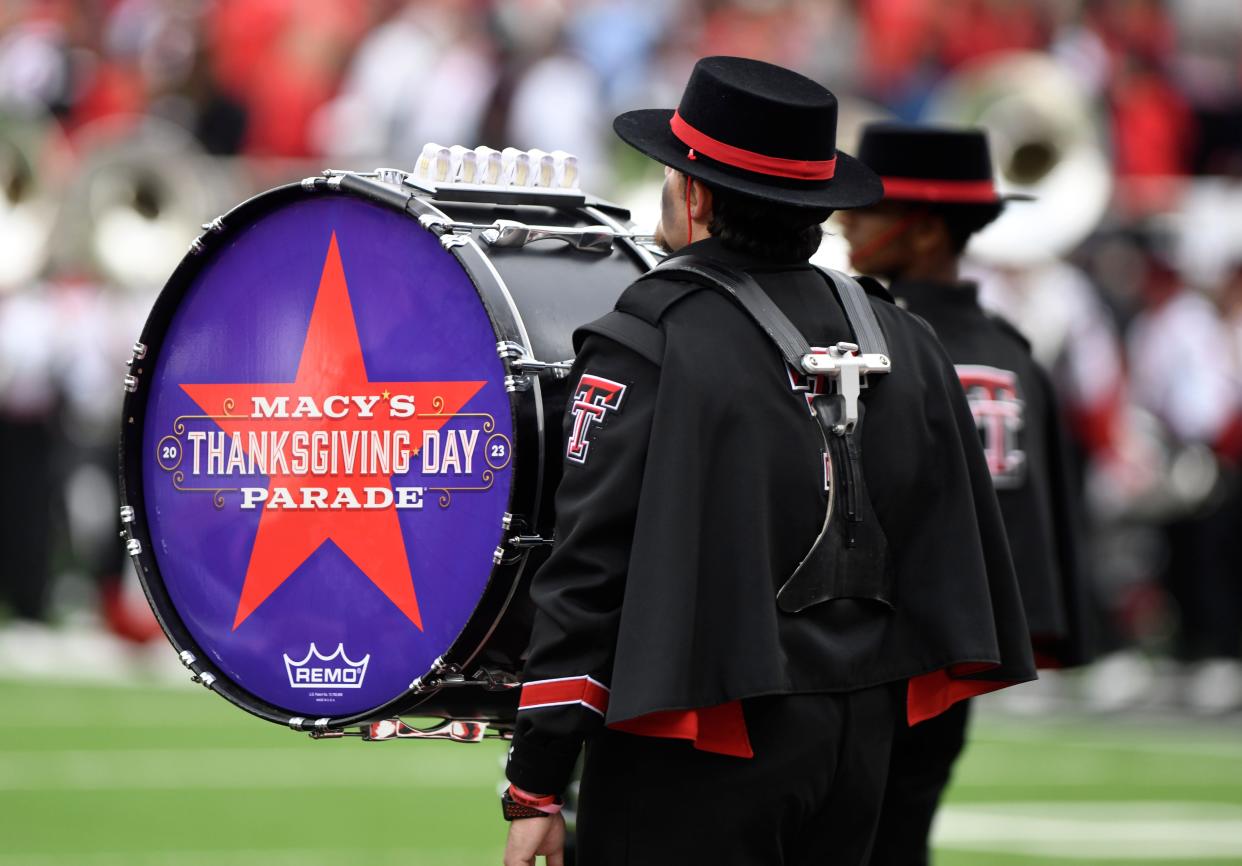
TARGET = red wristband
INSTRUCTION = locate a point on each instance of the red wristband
(549, 804)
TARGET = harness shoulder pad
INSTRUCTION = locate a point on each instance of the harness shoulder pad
(635, 323)
(875, 289)
(1010, 328)
(654, 294)
(627, 329)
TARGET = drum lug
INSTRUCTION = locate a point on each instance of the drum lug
(205, 678)
(450, 241)
(503, 556)
(127, 514)
(131, 384)
(197, 247)
(440, 666)
(441, 673)
(216, 226)
(133, 547)
(514, 384)
(435, 223)
(140, 352)
(509, 350)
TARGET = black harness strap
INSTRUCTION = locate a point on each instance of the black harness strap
(858, 312)
(742, 287)
(849, 558)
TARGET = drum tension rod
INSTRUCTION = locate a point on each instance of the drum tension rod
(514, 234)
(524, 541)
(520, 362)
(522, 538)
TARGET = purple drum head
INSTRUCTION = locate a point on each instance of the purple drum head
(326, 455)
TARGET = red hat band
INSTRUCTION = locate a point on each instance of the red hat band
(800, 169)
(946, 191)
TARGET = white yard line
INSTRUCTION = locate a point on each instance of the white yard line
(1109, 831)
(261, 857)
(1202, 747)
(1089, 777)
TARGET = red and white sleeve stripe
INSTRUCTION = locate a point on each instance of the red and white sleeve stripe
(565, 691)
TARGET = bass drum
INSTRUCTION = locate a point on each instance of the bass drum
(342, 436)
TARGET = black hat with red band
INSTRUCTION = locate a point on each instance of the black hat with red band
(932, 164)
(757, 129)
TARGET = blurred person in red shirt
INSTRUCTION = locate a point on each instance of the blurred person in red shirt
(283, 65)
(970, 29)
(897, 36)
(1153, 134)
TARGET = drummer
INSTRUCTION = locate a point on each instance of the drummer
(723, 725)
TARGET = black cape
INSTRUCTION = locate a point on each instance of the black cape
(1039, 498)
(704, 488)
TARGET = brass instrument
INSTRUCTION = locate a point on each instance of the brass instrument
(138, 201)
(33, 158)
(1046, 142)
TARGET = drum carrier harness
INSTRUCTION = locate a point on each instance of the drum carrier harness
(849, 558)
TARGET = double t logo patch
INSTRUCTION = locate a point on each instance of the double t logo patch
(594, 398)
(998, 410)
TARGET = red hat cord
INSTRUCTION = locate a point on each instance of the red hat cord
(899, 228)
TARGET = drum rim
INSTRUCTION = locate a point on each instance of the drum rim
(509, 325)
(525, 494)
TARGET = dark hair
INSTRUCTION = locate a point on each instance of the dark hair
(763, 229)
(963, 220)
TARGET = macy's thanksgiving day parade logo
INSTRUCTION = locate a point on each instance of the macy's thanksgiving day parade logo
(330, 444)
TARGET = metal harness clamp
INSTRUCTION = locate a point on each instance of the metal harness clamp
(848, 369)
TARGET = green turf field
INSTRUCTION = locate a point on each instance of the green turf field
(111, 776)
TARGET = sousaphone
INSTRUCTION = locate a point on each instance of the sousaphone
(1046, 142)
(33, 159)
(138, 201)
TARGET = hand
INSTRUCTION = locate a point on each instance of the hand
(530, 837)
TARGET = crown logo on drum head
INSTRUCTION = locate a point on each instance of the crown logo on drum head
(346, 674)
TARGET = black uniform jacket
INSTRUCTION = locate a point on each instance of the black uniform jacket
(692, 488)
(1024, 442)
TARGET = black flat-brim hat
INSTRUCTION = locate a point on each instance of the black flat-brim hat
(932, 164)
(757, 129)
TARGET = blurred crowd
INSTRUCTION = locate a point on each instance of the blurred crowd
(125, 123)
